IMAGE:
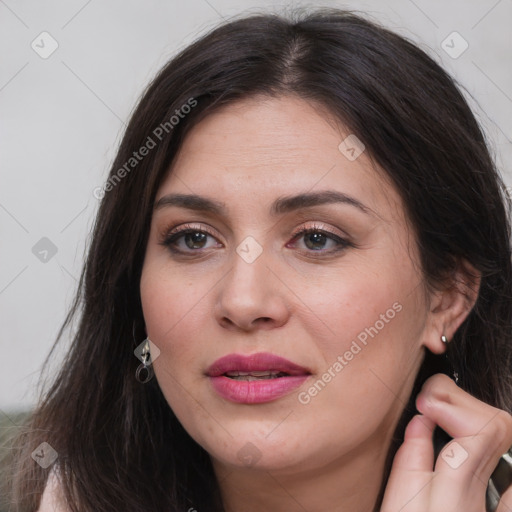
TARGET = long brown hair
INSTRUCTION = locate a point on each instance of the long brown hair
(119, 445)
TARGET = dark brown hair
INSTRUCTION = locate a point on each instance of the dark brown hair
(120, 446)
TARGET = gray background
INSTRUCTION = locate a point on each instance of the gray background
(63, 116)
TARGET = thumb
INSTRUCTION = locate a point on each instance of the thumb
(412, 469)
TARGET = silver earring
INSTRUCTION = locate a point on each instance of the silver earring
(144, 372)
(444, 339)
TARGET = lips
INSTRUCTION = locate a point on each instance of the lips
(259, 364)
(255, 379)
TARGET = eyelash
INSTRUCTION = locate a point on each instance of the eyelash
(171, 235)
(342, 243)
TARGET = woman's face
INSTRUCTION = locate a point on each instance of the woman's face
(343, 301)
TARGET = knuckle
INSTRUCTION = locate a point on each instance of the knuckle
(439, 387)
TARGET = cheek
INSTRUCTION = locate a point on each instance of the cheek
(167, 297)
(342, 306)
(174, 310)
(371, 358)
(172, 306)
(367, 327)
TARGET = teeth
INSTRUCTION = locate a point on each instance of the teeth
(249, 377)
(256, 375)
(262, 373)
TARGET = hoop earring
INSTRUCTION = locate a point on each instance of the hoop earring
(144, 372)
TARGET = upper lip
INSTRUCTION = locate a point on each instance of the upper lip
(261, 361)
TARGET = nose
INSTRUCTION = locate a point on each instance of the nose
(251, 297)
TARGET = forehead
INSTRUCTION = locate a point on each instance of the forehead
(267, 147)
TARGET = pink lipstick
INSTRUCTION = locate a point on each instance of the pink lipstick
(254, 379)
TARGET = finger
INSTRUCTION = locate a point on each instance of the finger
(468, 414)
(417, 450)
(481, 433)
(412, 469)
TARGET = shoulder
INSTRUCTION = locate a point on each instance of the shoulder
(53, 497)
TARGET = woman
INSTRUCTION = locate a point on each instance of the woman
(304, 237)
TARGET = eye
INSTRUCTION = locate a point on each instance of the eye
(316, 239)
(189, 239)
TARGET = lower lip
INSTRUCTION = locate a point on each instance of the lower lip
(255, 391)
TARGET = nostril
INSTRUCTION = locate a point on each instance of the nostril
(226, 322)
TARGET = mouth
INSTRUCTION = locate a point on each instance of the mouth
(262, 365)
(236, 375)
(257, 378)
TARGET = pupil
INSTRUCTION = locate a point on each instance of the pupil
(315, 240)
(195, 240)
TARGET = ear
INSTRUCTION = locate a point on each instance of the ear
(450, 306)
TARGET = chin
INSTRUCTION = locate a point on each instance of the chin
(244, 450)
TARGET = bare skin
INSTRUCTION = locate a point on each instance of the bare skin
(306, 297)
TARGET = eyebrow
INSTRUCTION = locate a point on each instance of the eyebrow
(281, 205)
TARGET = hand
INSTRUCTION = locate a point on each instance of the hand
(458, 481)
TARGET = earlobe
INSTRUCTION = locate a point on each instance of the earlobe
(450, 307)
(437, 345)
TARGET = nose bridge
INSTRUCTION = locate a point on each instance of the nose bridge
(248, 278)
(249, 294)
